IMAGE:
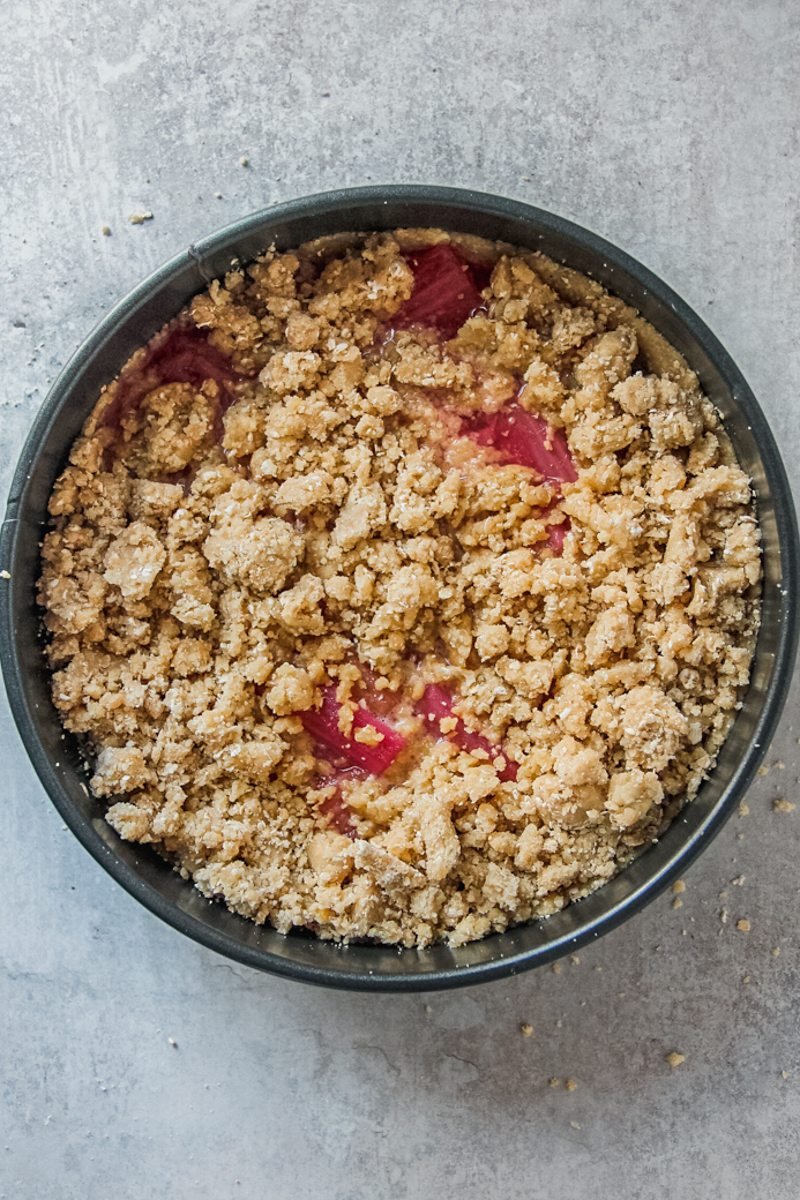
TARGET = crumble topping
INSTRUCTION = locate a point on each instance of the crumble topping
(403, 588)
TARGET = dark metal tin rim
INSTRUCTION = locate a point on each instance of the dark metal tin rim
(387, 205)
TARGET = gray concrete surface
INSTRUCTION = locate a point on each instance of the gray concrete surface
(666, 125)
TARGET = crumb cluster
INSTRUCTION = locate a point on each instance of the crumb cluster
(337, 652)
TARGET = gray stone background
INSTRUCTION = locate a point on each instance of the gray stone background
(668, 126)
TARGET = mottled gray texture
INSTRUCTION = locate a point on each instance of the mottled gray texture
(669, 127)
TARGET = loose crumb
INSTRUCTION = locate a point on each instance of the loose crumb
(763, 771)
(784, 1074)
(775, 951)
(556, 968)
(675, 1059)
(743, 925)
(677, 902)
(526, 1030)
(244, 161)
(679, 887)
(744, 809)
(571, 1085)
(554, 1082)
(140, 218)
(171, 1041)
(5, 574)
(783, 806)
(575, 960)
(105, 230)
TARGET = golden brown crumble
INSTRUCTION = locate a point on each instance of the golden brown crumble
(782, 805)
(675, 1059)
(301, 519)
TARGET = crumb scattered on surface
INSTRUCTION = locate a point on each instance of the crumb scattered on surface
(571, 1085)
(105, 230)
(675, 1059)
(677, 902)
(171, 1041)
(554, 1082)
(302, 508)
(679, 887)
(744, 809)
(782, 805)
(743, 925)
(775, 951)
(556, 968)
(244, 161)
(5, 574)
(139, 218)
(526, 1029)
(763, 771)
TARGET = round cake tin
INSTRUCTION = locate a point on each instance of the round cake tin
(132, 322)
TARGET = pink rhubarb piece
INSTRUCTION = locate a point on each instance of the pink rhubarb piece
(436, 705)
(338, 814)
(556, 535)
(523, 438)
(188, 357)
(447, 290)
(323, 725)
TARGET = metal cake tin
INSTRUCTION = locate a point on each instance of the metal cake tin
(129, 325)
